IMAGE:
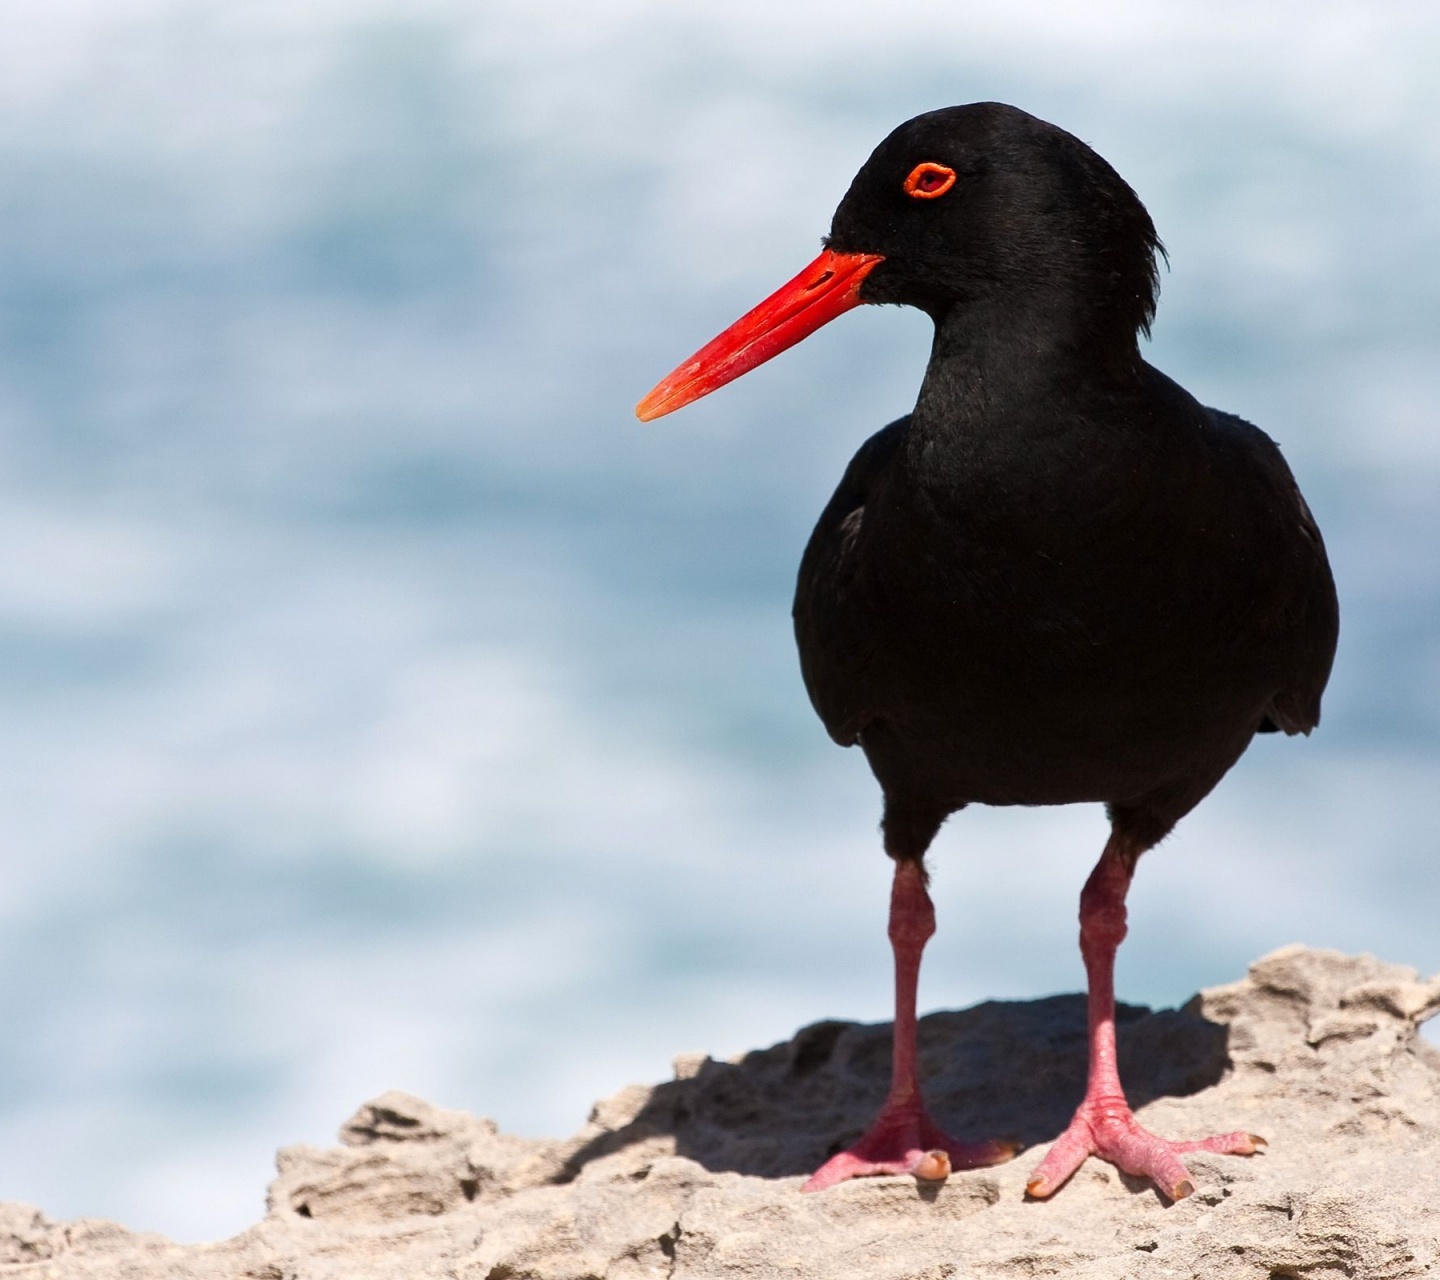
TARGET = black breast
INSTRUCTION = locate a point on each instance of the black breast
(1102, 608)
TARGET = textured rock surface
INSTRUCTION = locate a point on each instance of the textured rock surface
(699, 1177)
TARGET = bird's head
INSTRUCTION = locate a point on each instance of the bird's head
(958, 207)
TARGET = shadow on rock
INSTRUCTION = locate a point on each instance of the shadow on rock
(1004, 1069)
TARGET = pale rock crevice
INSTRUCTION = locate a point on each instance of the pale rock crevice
(698, 1178)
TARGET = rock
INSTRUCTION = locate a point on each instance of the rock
(698, 1178)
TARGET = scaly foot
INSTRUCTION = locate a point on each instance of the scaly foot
(904, 1139)
(1107, 1128)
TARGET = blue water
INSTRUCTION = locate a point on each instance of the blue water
(382, 706)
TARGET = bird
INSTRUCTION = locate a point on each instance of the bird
(1059, 579)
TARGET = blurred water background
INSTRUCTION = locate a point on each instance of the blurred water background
(383, 706)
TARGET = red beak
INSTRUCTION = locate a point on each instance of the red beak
(828, 287)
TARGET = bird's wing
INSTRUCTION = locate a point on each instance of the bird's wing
(834, 628)
(1312, 615)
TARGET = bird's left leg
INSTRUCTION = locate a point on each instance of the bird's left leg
(1104, 1125)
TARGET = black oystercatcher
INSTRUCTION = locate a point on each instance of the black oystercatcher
(1059, 579)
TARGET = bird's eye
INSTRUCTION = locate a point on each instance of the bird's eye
(928, 180)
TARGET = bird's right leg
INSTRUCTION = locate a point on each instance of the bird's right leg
(903, 1138)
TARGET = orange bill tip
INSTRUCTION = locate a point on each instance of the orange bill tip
(828, 287)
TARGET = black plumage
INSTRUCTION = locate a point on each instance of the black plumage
(1060, 578)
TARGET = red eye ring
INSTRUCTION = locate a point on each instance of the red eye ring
(928, 181)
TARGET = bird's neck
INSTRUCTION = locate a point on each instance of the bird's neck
(992, 357)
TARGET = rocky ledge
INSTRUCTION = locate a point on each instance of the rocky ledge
(700, 1176)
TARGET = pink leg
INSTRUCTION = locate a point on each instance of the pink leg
(1104, 1125)
(903, 1138)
